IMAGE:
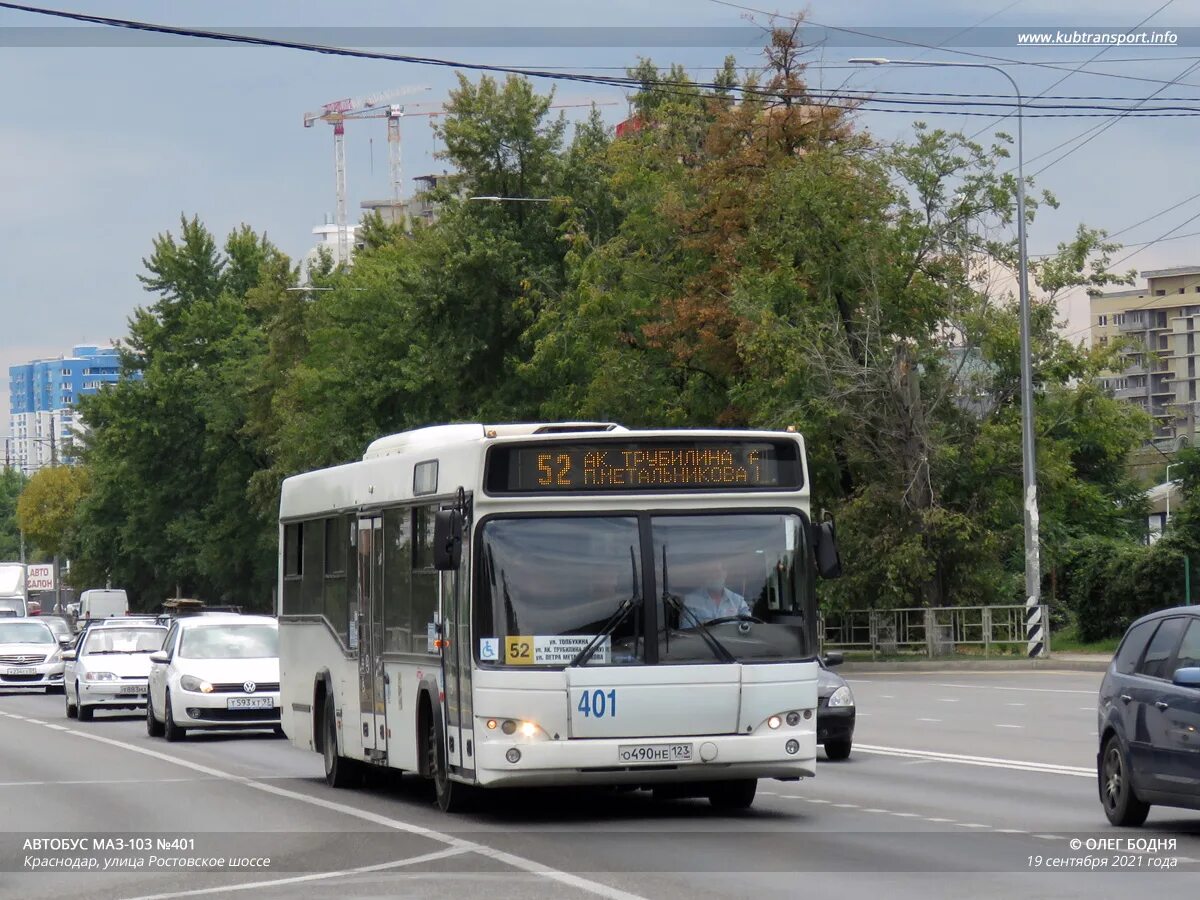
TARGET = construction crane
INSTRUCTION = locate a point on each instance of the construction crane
(379, 106)
(336, 114)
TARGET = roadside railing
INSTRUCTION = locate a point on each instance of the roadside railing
(932, 632)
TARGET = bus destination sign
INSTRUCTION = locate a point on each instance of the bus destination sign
(645, 465)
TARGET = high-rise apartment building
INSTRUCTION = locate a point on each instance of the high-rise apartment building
(42, 397)
(1159, 366)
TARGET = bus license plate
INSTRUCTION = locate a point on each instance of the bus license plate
(250, 703)
(654, 753)
(21, 672)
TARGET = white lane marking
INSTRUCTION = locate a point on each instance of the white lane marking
(4, 784)
(517, 862)
(1087, 709)
(958, 673)
(1023, 690)
(815, 800)
(929, 720)
(881, 811)
(887, 696)
(907, 815)
(1050, 837)
(971, 825)
(939, 820)
(846, 805)
(1014, 704)
(1010, 831)
(316, 876)
(947, 699)
(998, 725)
(987, 761)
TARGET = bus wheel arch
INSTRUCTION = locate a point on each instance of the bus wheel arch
(427, 709)
(322, 694)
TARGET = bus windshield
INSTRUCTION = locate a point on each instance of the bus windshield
(726, 587)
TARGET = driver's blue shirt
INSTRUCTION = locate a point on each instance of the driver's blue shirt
(704, 608)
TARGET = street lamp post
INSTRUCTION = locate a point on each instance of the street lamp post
(1034, 627)
(1168, 518)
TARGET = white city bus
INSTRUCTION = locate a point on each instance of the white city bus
(495, 606)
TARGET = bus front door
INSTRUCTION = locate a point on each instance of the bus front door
(371, 688)
(456, 668)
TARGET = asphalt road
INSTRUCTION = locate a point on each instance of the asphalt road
(959, 783)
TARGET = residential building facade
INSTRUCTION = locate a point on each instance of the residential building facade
(1157, 328)
(42, 397)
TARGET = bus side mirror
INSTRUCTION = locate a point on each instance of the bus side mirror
(829, 561)
(447, 539)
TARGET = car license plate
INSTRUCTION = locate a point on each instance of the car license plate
(250, 703)
(131, 689)
(654, 753)
(21, 672)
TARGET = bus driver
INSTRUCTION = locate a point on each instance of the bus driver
(712, 600)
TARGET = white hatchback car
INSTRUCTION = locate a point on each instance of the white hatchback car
(30, 655)
(110, 668)
(218, 671)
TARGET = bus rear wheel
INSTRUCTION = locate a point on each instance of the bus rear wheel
(731, 795)
(340, 772)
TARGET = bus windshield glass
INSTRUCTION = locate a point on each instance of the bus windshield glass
(726, 587)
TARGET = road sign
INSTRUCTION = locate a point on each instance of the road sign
(39, 578)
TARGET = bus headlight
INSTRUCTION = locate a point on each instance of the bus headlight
(774, 722)
(843, 696)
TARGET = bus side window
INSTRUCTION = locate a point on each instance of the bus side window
(397, 580)
(293, 538)
(424, 579)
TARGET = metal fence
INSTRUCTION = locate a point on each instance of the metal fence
(937, 631)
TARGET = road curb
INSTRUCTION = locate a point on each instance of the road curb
(1059, 664)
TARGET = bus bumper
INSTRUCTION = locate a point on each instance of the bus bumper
(598, 761)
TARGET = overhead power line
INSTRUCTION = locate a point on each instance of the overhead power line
(1078, 68)
(885, 39)
(851, 100)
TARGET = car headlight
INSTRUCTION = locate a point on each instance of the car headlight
(99, 676)
(843, 696)
(192, 683)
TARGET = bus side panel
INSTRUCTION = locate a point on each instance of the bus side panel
(306, 649)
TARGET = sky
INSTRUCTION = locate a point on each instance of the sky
(107, 139)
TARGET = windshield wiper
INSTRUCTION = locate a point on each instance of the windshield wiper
(718, 649)
(627, 606)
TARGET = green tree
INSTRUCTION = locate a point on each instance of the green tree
(47, 507)
(170, 450)
(12, 482)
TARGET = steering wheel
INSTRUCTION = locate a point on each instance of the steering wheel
(723, 620)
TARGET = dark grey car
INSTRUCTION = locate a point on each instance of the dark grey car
(835, 709)
(1149, 718)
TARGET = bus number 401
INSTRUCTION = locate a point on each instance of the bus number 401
(598, 704)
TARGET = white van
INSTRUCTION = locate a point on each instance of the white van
(12, 590)
(103, 603)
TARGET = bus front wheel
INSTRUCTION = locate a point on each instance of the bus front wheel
(452, 797)
(731, 795)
